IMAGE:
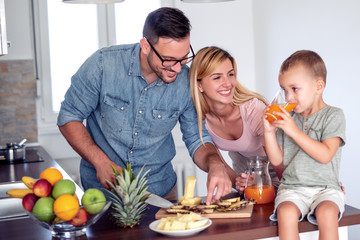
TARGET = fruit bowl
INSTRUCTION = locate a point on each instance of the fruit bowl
(64, 229)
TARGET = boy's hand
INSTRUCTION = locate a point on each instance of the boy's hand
(268, 127)
(288, 124)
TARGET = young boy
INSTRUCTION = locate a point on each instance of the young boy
(306, 149)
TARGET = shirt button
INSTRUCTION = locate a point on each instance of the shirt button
(305, 119)
(135, 133)
(145, 89)
(122, 108)
(305, 128)
(140, 111)
(131, 152)
(159, 116)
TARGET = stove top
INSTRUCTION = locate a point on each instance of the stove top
(30, 157)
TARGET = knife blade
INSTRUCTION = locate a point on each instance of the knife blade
(158, 201)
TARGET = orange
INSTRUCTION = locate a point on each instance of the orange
(52, 175)
(66, 207)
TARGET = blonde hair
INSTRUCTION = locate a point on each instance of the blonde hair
(205, 62)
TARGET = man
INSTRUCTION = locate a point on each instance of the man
(132, 97)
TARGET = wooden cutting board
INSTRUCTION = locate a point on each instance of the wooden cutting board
(242, 213)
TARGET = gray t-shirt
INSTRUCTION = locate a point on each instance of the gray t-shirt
(299, 168)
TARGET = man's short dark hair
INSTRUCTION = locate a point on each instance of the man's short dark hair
(166, 22)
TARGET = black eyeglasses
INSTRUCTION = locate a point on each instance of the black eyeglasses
(170, 63)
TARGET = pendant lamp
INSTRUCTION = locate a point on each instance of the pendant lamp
(93, 1)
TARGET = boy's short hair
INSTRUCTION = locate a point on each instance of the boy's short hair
(309, 59)
(166, 22)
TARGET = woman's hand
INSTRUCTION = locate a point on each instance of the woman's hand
(240, 182)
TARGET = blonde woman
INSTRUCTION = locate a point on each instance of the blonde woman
(232, 113)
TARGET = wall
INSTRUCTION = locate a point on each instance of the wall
(17, 98)
(260, 34)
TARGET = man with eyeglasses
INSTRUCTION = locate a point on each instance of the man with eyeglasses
(132, 96)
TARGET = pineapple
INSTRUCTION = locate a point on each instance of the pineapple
(128, 196)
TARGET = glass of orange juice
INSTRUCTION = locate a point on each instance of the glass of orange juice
(279, 100)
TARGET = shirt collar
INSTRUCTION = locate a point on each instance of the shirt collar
(135, 68)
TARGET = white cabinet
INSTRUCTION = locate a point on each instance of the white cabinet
(3, 40)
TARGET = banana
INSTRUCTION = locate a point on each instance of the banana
(28, 181)
(19, 193)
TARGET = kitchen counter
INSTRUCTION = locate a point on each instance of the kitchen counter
(258, 226)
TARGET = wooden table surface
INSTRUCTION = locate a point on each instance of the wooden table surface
(258, 226)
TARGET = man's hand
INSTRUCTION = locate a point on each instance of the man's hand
(105, 172)
(81, 141)
(219, 179)
(209, 160)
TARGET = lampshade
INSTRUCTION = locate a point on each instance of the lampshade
(205, 1)
(93, 1)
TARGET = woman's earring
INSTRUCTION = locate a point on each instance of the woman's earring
(201, 90)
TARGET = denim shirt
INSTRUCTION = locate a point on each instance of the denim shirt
(129, 119)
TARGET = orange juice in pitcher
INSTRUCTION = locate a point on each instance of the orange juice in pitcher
(258, 184)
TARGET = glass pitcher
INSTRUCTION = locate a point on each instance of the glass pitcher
(258, 184)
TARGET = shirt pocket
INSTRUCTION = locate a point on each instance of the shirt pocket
(163, 121)
(114, 112)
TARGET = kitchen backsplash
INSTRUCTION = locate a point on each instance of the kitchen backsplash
(17, 101)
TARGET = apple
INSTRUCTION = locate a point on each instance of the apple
(43, 209)
(81, 217)
(63, 186)
(29, 201)
(93, 200)
(42, 188)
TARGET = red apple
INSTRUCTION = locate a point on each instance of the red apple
(81, 217)
(42, 188)
(29, 201)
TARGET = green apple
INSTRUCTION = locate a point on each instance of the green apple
(43, 209)
(63, 186)
(93, 200)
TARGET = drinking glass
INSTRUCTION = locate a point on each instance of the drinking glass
(279, 100)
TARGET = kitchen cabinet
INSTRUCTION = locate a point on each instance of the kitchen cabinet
(3, 39)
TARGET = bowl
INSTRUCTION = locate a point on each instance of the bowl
(64, 229)
(180, 233)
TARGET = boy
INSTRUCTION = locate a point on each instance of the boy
(306, 149)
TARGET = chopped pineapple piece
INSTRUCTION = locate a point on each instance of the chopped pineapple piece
(189, 187)
(181, 222)
(189, 217)
(177, 225)
(232, 200)
(191, 201)
(197, 224)
(167, 226)
(162, 223)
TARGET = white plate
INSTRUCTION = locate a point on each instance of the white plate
(180, 233)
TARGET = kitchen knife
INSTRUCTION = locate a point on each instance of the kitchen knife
(158, 201)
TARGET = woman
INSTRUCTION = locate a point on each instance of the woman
(232, 113)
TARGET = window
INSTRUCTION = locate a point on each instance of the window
(67, 34)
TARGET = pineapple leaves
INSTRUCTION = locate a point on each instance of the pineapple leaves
(128, 195)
